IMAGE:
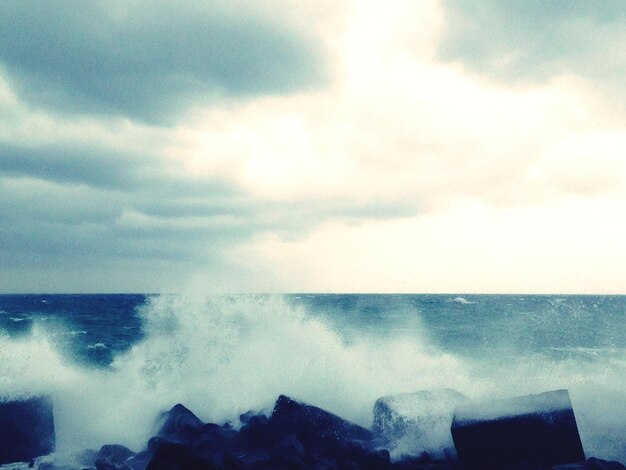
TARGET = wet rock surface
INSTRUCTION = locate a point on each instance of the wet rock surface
(26, 429)
(533, 431)
(299, 436)
(410, 423)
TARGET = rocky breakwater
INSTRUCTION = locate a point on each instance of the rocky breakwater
(300, 436)
(295, 436)
(412, 423)
(26, 429)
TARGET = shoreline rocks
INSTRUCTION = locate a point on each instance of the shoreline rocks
(411, 423)
(534, 431)
(299, 436)
(26, 429)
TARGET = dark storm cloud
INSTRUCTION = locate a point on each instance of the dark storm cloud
(69, 165)
(537, 39)
(106, 168)
(47, 218)
(45, 221)
(149, 60)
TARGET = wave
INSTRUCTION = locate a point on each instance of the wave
(18, 319)
(222, 356)
(461, 300)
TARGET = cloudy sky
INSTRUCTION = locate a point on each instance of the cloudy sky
(327, 146)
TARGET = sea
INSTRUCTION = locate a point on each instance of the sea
(114, 363)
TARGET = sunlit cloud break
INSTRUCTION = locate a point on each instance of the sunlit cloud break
(432, 146)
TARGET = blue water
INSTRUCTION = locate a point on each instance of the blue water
(112, 362)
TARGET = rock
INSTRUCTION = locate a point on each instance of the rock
(412, 423)
(311, 423)
(177, 457)
(289, 447)
(26, 429)
(139, 461)
(113, 457)
(214, 438)
(533, 431)
(180, 425)
(591, 464)
(52, 466)
(257, 433)
(155, 442)
(597, 464)
(378, 460)
(258, 458)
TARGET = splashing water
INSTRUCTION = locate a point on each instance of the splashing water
(222, 356)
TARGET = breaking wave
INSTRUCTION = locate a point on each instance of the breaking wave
(222, 356)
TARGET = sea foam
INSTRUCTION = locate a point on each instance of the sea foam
(222, 356)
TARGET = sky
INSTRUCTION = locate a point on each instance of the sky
(331, 146)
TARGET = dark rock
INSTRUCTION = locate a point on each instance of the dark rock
(52, 466)
(47, 466)
(570, 466)
(177, 457)
(377, 460)
(349, 451)
(289, 447)
(139, 461)
(411, 423)
(212, 441)
(155, 442)
(310, 423)
(105, 465)
(257, 433)
(180, 425)
(597, 464)
(113, 457)
(324, 465)
(26, 429)
(259, 458)
(413, 463)
(294, 463)
(245, 418)
(536, 431)
(439, 466)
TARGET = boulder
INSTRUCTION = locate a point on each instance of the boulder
(412, 423)
(571, 466)
(310, 423)
(533, 431)
(597, 464)
(179, 425)
(26, 429)
(139, 461)
(214, 441)
(591, 464)
(113, 457)
(177, 457)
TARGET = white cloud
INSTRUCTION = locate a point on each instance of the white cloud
(405, 173)
(568, 247)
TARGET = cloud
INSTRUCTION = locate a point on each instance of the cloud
(152, 61)
(70, 165)
(535, 40)
(404, 163)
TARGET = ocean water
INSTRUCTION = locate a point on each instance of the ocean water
(113, 362)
